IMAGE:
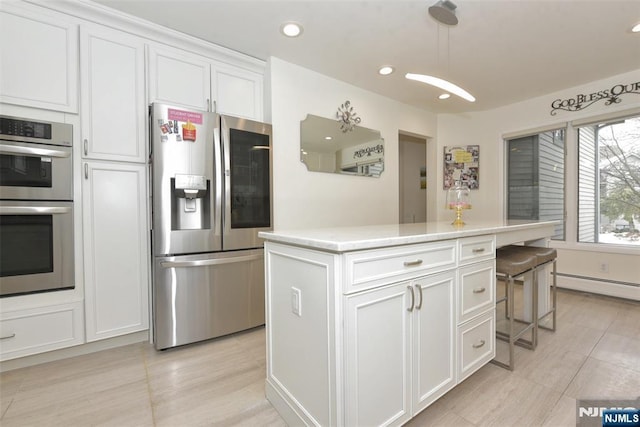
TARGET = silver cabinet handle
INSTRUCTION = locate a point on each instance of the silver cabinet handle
(479, 344)
(477, 250)
(208, 262)
(33, 210)
(34, 151)
(86, 171)
(412, 263)
(419, 289)
(6, 337)
(479, 290)
(413, 299)
(86, 146)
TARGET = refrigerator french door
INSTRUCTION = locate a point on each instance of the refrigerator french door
(246, 147)
(208, 206)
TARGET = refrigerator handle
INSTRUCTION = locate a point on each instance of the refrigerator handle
(208, 262)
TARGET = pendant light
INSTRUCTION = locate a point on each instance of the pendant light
(443, 12)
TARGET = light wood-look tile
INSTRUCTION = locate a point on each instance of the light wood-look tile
(595, 353)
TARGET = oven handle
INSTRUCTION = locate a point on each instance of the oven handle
(207, 262)
(13, 149)
(33, 210)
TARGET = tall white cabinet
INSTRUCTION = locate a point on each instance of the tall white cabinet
(116, 249)
(114, 183)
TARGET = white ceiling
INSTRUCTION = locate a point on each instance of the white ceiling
(501, 51)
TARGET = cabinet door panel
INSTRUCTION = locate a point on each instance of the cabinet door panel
(377, 357)
(38, 59)
(177, 77)
(116, 249)
(433, 339)
(113, 101)
(237, 92)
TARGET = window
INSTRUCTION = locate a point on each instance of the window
(535, 178)
(609, 182)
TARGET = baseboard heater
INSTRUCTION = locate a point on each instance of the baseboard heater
(614, 288)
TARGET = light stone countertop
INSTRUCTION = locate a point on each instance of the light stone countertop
(344, 239)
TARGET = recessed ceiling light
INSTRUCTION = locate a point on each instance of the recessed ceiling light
(386, 70)
(291, 29)
(328, 138)
(444, 96)
(636, 28)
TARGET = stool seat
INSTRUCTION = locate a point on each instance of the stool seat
(514, 263)
(543, 255)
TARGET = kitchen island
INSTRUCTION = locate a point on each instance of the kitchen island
(370, 325)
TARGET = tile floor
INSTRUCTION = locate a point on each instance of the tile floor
(594, 354)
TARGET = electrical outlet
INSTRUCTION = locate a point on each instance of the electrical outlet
(604, 267)
(296, 301)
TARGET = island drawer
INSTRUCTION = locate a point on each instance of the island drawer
(476, 292)
(476, 344)
(370, 268)
(473, 249)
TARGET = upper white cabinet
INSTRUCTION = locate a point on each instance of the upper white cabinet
(194, 81)
(113, 110)
(38, 58)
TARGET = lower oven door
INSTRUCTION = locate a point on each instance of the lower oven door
(36, 247)
(197, 297)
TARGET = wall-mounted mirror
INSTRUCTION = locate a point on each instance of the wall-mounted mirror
(325, 148)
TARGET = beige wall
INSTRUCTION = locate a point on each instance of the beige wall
(313, 199)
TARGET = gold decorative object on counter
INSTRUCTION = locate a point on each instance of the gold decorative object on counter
(458, 199)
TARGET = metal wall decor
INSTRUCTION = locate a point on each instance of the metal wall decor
(367, 151)
(347, 117)
(582, 101)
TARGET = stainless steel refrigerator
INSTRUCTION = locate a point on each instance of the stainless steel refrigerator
(211, 195)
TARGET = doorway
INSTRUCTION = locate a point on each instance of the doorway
(412, 178)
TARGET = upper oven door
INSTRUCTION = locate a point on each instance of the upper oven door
(31, 171)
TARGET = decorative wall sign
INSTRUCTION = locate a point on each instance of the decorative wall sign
(582, 101)
(462, 163)
(367, 151)
(347, 117)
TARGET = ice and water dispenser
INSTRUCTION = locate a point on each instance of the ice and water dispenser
(190, 202)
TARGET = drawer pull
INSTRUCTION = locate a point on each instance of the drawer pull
(479, 344)
(412, 263)
(479, 290)
(477, 250)
(7, 337)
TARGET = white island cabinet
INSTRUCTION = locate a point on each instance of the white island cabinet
(370, 325)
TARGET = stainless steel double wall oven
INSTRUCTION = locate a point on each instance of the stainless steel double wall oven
(36, 206)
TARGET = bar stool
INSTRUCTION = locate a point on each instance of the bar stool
(544, 256)
(509, 265)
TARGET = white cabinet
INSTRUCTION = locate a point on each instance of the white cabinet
(31, 331)
(116, 249)
(113, 113)
(38, 58)
(195, 81)
(399, 349)
(476, 304)
(378, 357)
